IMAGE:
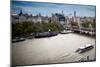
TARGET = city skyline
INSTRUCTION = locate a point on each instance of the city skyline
(47, 9)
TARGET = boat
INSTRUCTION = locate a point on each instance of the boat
(85, 48)
(66, 31)
(45, 34)
(18, 39)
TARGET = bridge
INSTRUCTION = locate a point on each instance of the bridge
(84, 31)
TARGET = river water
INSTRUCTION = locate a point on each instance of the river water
(57, 49)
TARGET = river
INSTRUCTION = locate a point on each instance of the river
(57, 49)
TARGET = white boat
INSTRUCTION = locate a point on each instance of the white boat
(66, 31)
(85, 48)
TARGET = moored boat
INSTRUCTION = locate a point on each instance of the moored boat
(18, 39)
(45, 34)
(66, 31)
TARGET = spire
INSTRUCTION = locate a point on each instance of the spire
(74, 16)
(74, 13)
(62, 12)
(20, 13)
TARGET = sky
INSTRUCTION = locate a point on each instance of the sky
(46, 9)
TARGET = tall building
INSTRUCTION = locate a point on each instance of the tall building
(62, 13)
(74, 16)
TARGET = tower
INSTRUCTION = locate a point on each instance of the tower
(74, 16)
(20, 13)
(62, 12)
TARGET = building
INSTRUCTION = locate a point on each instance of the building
(16, 18)
(60, 18)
